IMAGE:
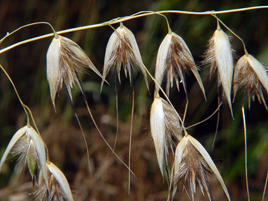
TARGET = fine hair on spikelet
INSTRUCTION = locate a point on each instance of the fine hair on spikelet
(58, 186)
(65, 60)
(219, 56)
(165, 128)
(122, 51)
(250, 75)
(192, 164)
(174, 60)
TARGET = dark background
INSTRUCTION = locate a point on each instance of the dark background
(26, 66)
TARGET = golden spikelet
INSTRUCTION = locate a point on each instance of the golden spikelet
(65, 59)
(250, 74)
(192, 165)
(174, 59)
(122, 51)
(219, 56)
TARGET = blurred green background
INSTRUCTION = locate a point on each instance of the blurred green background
(26, 66)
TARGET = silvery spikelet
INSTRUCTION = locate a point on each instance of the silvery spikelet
(65, 60)
(165, 126)
(157, 124)
(28, 145)
(219, 56)
(174, 59)
(192, 165)
(250, 74)
(59, 188)
(122, 51)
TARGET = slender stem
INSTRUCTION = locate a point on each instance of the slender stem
(171, 185)
(31, 115)
(116, 107)
(126, 18)
(205, 118)
(96, 126)
(26, 109)
(17, 94)
(79, 124)
(218, 20)
(218, 119)
(246, 148)
(265, 187)
(169, 29)
(130, 136)
(28, 25)
(131, 124)
(185, 109)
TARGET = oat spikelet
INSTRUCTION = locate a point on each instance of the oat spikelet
(65, 59)
(29, 146)
(119, 54)
(59, 188)
(250, 74)
(192, 165)
(165, 125)
(219, 56)
(174, 59)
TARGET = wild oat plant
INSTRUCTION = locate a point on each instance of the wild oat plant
(189, 165)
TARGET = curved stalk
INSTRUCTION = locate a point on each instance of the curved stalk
(238, 37)
(126, 18)
(17, 94)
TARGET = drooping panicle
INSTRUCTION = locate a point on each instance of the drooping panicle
(193, 164)
(250, 74)
(65, 60)
(220, 57)
(122, 51)
(174, 60)
(165, 127)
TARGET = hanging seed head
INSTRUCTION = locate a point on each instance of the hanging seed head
(59, 188)
(219, 56)
(165, 127)
(250, 74)
(65, 60)
(122, 51)
(28, 145)
(192, 164)
(174, 59)
(157, 123)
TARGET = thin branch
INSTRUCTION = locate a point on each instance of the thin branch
(80, 126)
(205, 118)
(246, 148)
(17, 93)
(265, 187)
(126, 18)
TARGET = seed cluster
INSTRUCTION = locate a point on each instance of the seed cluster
(191, 165)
